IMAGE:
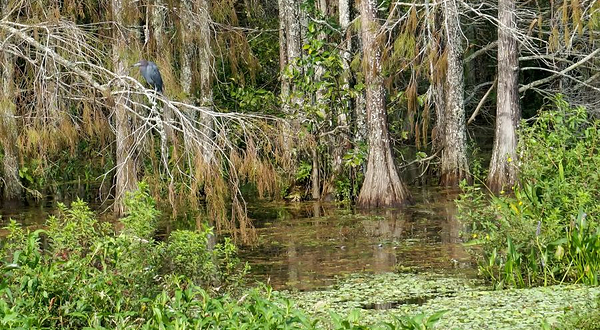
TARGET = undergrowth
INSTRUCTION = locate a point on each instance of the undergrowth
(78, 273)
(546, 230)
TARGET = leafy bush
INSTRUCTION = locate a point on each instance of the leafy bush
(79, 273)
(15, 239)
(75, 229)
(188, 253)
(547, 230)
(84, 272)
(142, 215)
(90, 292)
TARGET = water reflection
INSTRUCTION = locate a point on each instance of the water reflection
(26, 214)
(304, 246)
(34, 213)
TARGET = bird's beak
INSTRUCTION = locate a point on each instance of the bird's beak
(137, 64)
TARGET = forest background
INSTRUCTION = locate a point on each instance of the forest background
(345, 101)
(325, 100)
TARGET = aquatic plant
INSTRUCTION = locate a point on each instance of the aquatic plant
(78, 272)
(546, 230)
(381, 299)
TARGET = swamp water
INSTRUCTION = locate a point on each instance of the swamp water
(306, 246)
(384, 264)
(381, 264)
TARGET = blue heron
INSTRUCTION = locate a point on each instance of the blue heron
(150, 72)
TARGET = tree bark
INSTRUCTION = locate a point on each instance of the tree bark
(187, 42)
(8, 126)
(126, 169)
(320, 103)
(454, 154)
(342, 118)
(360, 108)
(503, 165)
(314, 175)
(205, 60)
(157, 21)
(197, 57)
(293, 38)
(438, 138)
(320, 70)
(382, 186)
(436, 81)
(360, 114)
(283, 54)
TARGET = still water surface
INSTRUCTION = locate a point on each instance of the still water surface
(305, 246)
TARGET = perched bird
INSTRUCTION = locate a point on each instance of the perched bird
(151, 74)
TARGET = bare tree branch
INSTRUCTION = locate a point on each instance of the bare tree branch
(481, 51)
(562, 73)
(482, 102)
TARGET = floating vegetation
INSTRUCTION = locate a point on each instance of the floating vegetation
(469, 303)
(395, 304)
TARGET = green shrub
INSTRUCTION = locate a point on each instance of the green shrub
(65, 286)
(142, 215)
(73, 230)
(15, 239)
(546, 231)
(88, 275)
(42, 291)
(188, 253)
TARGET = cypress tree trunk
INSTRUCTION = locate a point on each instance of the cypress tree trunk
(360, 108)
(205, 63)
(382, 185)
(314, 175)
(344, 19)
(342, 118)
(290, 50)
(197, 56)
(503, 168)
(454, 155)
(320, 70)
(8, 126)
(157, 21)
(293, 38)
(360, 114)
(187, 42)
(319, 101)
(283, 54)
(438, 133)
(436, 78)
(126, 170)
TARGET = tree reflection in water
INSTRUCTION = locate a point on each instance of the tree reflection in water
(306, 245)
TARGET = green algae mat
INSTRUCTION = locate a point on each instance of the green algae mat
(468, 303)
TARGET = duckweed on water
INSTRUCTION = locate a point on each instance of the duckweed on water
(469, 303)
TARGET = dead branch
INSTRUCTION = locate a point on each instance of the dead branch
(563, 73)
(482, 102)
